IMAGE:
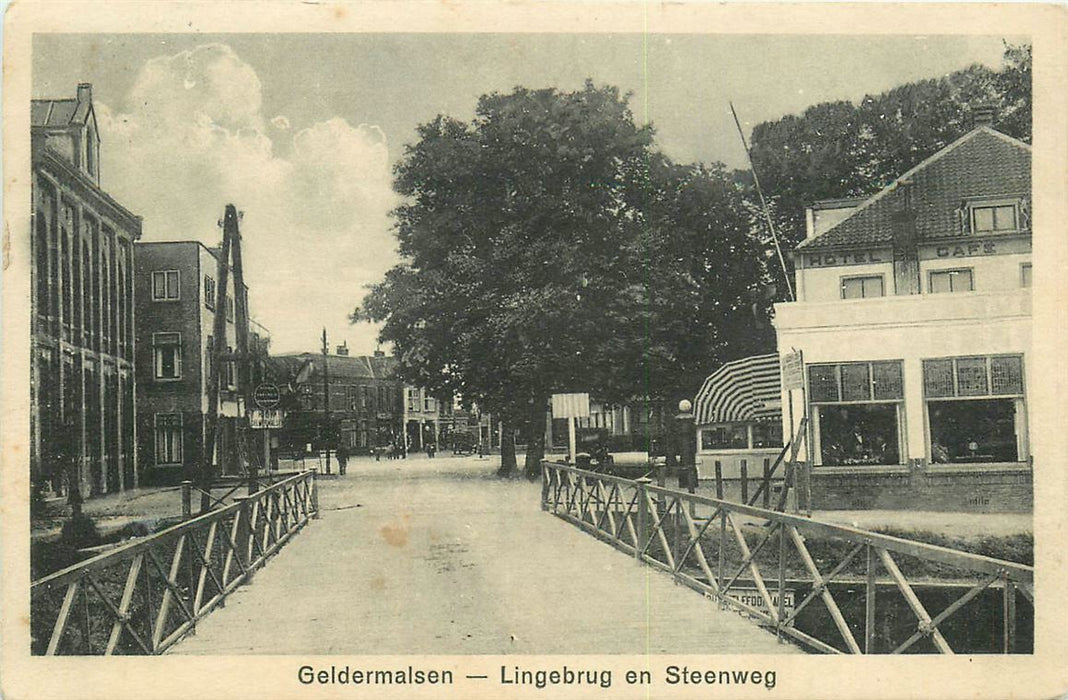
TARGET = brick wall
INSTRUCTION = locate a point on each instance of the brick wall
(977, 490)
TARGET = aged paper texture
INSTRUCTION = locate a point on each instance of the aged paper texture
(297, 112)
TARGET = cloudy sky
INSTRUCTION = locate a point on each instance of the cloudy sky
(301, 131)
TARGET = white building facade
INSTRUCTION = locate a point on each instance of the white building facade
(913, 320)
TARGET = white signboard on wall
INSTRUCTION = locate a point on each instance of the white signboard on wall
(793, 370)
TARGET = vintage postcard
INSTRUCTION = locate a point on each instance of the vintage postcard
(533, 349)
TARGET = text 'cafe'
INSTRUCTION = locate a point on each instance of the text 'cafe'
(913, 320)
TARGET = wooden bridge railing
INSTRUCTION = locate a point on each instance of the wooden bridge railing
(142, 597)
(705, 544)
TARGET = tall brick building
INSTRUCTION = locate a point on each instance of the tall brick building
(176, 285)
(82, 383)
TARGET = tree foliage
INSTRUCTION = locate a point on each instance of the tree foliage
(838, 149)
(548, 247)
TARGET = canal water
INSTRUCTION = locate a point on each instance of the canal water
(976, 628)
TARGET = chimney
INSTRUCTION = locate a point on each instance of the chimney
(379, 353)
(343, 349)
(85, 92)
(983, 115)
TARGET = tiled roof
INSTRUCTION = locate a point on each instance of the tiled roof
(57, 112)
(982, 163)
(339, 366)
(384, 366)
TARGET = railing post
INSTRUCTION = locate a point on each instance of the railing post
(767, 483)
(745, 482)
(806, 486)
(721, 566)
(719, 480)
(869, 602)
(244, 532)
(643, 515)
(545, 485)
(187, 500)
(1008, 609)
(782, 570)
(314, 496)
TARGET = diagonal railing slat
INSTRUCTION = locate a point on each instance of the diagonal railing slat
(827, 579)
(632, 515)
(166, 582)
(758, 580)
(953, 607)
(122, 620)
(913, 601)
(821, 585)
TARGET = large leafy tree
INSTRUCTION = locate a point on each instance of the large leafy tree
(838, 149)
(548, 247)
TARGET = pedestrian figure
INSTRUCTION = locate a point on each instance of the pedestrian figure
(481, 450)
(342, 458)
(430, 449)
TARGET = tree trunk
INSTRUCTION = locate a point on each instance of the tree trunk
(536, 444)
(508, 465)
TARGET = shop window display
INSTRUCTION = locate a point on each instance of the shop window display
(982, 430)
(856, 410)
(975, 408)
(859, 434)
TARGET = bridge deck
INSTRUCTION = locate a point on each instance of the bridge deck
(437, 556)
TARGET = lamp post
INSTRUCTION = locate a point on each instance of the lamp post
(326, 400)
(686, 435)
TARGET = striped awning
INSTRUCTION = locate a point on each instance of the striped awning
(743, 390)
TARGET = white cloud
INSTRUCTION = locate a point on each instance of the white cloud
(316, 227)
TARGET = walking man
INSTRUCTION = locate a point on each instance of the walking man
(342, 457)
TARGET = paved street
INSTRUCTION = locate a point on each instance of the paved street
(438, 556)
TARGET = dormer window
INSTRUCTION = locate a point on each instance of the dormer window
(988, 216)
(994, 218)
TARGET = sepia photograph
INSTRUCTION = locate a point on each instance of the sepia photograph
(527, 351)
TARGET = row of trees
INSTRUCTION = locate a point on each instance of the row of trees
(548, 246)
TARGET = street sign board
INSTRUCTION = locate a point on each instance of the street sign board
(571, 405)
(266, 395)
(264, 418)
(793, 370)
(754, 599)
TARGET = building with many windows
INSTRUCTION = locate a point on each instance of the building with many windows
(913, 320)
(369, 407)
(365, 409)
(82, 415)
(176, 290)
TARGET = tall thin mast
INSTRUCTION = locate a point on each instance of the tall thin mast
(326, 399)
(244, 358)
(763, 204)
(219, 355)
